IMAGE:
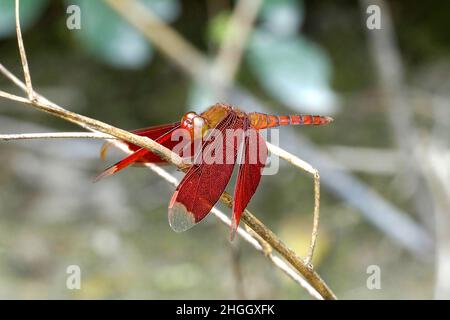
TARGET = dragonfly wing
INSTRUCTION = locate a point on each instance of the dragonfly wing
(141, 154)
(151, 132)
(155, 131)
(132, 158)
(204, 183)
(253, 159)
(159, 134)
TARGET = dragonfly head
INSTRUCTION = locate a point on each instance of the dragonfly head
(194, 123)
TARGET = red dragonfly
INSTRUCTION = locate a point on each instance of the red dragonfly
(205, 181)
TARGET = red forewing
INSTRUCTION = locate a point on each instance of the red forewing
(205, 182)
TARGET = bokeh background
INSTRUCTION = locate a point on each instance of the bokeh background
(384, 162)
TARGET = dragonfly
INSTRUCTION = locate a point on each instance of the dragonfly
(224, 132)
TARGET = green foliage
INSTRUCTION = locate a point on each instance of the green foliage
(217, 27)
(30, 10)
(111, 39)
(282, 17)
(293, 70)
(103, 33)
(289, 67)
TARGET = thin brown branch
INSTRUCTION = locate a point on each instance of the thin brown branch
(13, 97)
(55, 135)
(13, 78)
(23, 56)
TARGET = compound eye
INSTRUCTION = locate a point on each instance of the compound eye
(186, 121)
(190, 115)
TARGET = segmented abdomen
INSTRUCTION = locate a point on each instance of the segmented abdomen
(262, 121)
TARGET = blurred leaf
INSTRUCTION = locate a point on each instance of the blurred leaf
(282, 17)
(168, 10)
(30, 10)
(293, 70)
(107, 36)
(217, 27)
(296, 230)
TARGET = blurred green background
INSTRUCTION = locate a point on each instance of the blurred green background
(302, 57)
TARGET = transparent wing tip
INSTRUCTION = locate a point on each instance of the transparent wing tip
(180, 219)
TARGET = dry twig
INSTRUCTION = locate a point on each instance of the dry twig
(23, 56)
(54, 135)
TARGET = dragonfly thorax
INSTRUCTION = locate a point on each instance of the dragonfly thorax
(197, 125)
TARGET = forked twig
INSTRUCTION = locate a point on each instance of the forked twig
(299, 163)
(13, 97)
